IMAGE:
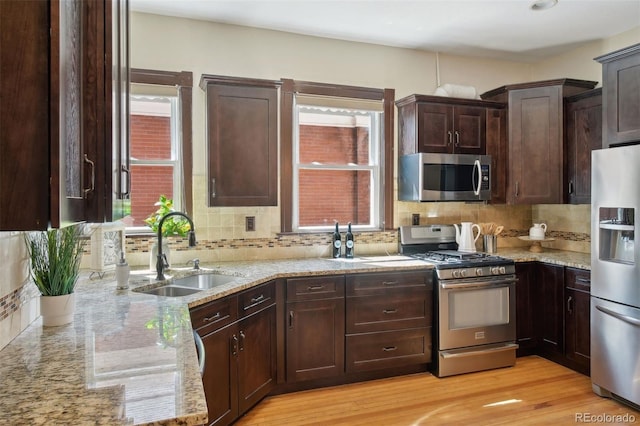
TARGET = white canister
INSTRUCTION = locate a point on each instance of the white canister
(537, 231)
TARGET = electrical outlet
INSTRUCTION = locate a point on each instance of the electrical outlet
(250, 223)
(415, 219)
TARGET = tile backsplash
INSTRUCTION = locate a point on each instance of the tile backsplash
(222, 237)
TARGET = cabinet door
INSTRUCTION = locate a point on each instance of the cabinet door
(469, 130)
(621, 95)
(496, 147)
(583, 124)
(256, 357)
(578, 319)
(435, 128)
(24, 149)
(242, 144)
(549, 315)
(315, 339)
(525, 302)
(535, 146)
(220, 375)
(577, 329)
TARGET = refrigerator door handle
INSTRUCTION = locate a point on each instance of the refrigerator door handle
(625, 318)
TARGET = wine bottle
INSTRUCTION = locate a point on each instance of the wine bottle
(348, 251)
(337, 242)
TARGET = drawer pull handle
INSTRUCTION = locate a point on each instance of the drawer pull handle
(315, 287)
(241, 344)
(213, 318)
(389, 348)
(583, 280)
(389, 282)
(390, 311)
(255, 301)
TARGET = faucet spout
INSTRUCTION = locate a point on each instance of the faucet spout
(160, 257)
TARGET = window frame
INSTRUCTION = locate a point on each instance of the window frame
(183, 82)
(292, 87)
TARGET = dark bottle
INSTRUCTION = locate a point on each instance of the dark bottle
(337, 242)
(348, 251)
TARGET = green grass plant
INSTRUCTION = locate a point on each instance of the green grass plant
(55, 259)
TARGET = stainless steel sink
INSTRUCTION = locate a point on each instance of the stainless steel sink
(171, 291)
(189, 285)
(203, 281)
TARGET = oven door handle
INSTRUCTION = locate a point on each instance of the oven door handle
(482, 284)
(507, 347)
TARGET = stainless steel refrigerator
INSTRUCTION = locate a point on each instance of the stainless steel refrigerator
(615, 273)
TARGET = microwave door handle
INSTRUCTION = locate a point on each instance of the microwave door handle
(476, 167)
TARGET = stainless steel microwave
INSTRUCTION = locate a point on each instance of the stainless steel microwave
(444, 177)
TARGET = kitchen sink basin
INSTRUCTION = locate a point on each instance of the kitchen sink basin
(203, 281)
(188, 285)
(171, 291)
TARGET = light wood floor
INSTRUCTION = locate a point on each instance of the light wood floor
(534, 392)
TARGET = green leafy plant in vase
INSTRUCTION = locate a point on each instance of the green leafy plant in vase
(172, 226)
(54, 260)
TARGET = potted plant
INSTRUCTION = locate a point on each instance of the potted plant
(173, 225)
(54, 258)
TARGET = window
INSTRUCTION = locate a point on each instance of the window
(155, 154)
(337, 173)
(336, 157)
(159, 150)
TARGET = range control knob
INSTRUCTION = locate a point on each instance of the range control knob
(456, 274)
(495, 270)
(503, 270)
(463, 273)
(479, 272)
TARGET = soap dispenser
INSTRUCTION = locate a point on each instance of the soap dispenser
(122, 273)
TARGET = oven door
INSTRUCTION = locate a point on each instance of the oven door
(476, 311)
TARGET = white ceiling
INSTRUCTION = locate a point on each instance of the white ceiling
(505, 29)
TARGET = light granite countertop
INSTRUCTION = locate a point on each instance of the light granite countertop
(129, 357)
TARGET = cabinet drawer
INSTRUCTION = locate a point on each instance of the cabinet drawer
(579, 279)
(315, 288)
(214, 315)
(388, 349)
(257, 298)
(395, 311)
(378, 284)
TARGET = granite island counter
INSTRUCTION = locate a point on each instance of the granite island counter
(129, 357)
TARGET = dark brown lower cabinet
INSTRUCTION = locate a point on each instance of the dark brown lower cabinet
(315, 339)
(578, 319)
(389, 318)
(553, 313)
(240, 363)
(549, 310)
(525, 326)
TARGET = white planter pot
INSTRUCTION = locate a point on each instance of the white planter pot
(153, 253)
(57, 310)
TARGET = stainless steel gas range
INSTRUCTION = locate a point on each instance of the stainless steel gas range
(475, 302)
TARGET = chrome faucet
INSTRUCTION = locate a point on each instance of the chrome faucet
(192, 241)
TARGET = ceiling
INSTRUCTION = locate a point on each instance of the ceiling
(506, 29)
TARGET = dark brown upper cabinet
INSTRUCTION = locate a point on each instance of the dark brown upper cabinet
(55, 112)
(442, 125)
(621, 96)
(536, 138)
(583, 133)
(242, 141)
